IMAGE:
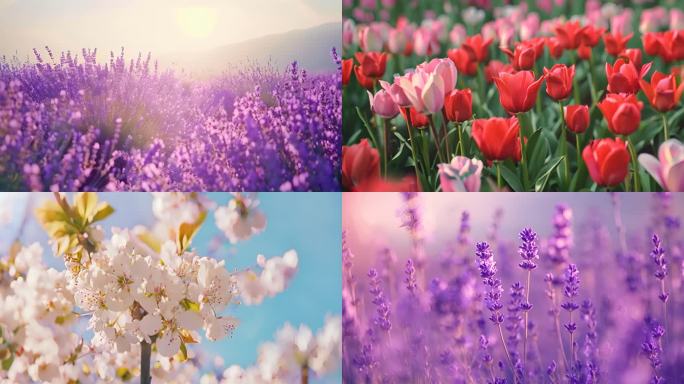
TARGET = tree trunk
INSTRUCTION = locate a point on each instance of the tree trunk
(305, 374)
(145, 356)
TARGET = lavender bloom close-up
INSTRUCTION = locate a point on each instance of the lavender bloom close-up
(500, 310)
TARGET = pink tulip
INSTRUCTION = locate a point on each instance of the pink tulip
(445, 68)
(427, 87)
(425, 43)
(457, 35)
(622, 23)
(668, 168)
(348, 33)
(372, 37)
(529, 27)
(652, 19)
(461, 175)
(396, 92)
(383, 105)
(676, 20)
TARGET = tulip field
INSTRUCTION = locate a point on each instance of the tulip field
(71, 122)
(540, 96)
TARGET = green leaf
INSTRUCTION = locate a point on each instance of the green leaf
(124, 374)
(187, 231)
(511, 179)
(7, 363)
(102, 211)
(184, 352)
(190, 305)
(545, 172)
(369, 129)
(538, 149)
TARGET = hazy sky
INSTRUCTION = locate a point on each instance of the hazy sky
(160, 26)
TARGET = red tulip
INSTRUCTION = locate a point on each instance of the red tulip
(632, 55)
(591, 35)
(347, 67)
(360, 162)
(569, 34)
(418, 120)
(559, 81)
(651, 43)
(497, 138)
(378, 184)
(462, 61)
(615, 43)
(494, 68)
(555, 47)
(577, 118)
(622, 112)
(668, 45)
(364, 81)
(524, 56)
(662, 92)
(607, 161)
(372, 64)
(518, 92)
(477, 48)
(623, 77)
(584, 52)
(458, 105)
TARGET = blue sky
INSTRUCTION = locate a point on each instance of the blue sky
(160, 26)
(307, 222)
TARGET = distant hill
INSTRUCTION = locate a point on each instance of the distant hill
(309, 47)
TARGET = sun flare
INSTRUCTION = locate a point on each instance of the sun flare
(197, 22)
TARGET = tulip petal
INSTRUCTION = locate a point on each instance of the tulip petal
(652, 166)
(675, 178)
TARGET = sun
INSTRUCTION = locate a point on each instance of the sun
(197, 22)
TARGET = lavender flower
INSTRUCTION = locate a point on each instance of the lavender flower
(528, 249)
(487, 267)
(560, 242)
(652, 347)
(382, 318)
(410, 272)
(658, 256)
(464, 229)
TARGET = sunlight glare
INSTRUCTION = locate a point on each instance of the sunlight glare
(197, 22)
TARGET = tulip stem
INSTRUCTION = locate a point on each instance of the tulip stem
(666, 135)
(481, 83)
(523, 163)
(386, 128)
(460, 139)
(564, 145)
(575, 88)
(446, 133)
(635, 166)
(579, 153)
(433, 130)
(409, 127)
(498, 174)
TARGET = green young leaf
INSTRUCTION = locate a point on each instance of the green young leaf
(511, 178)
(124, 374)
(102, 211)
(7, 363)
(369, 129)
(545, 172)
(190, 305)
(184, 352)
(187, 231)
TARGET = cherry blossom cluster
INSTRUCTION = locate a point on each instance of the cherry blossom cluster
(290, 357)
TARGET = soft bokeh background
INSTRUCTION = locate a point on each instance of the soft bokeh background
(159, 25)
(307, 222)
(201, 37)
(372, 220)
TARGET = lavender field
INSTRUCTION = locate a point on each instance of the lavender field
(530, 288)
(69, 121)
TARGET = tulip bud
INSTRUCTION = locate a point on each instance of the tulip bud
(577, 118)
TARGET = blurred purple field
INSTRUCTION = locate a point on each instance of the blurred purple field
(70, 122)
(529, 288)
